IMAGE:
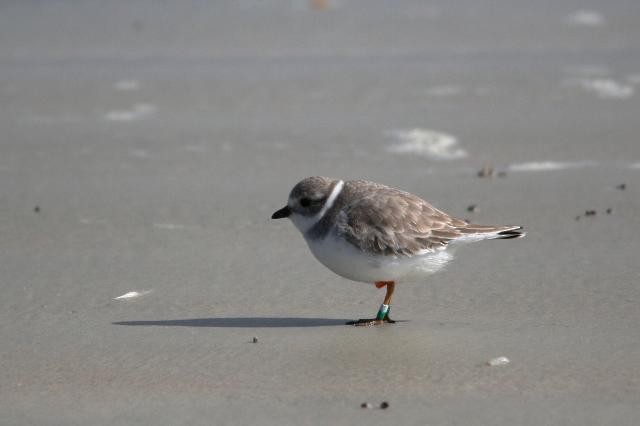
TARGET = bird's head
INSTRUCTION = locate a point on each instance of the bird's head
(309, 200)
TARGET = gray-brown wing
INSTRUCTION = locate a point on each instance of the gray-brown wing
(396, 223)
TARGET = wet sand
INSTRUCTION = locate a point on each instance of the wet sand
(156, 141)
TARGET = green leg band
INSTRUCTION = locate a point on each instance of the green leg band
(382, 312)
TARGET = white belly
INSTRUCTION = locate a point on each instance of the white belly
(347, 261)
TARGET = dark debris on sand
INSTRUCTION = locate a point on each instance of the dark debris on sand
(488, 171)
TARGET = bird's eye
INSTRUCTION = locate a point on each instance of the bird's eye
(305, 202)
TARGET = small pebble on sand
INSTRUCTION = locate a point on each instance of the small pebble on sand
(590, 213)
(609, 210)
(319, 4)
(365, 405)
(472, 208)
(36, 209)
(622, 186)
(254, 340)
(132, 295)
(384, 405)
(496, 362)
(486, 171)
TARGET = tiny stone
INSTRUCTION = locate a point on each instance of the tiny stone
(590, 213)
(496, 362)
(365, 405)
(578, 217)
(254, 340)
(384, 405)
(320, 4)
(36, 209)
(609, 210)
(622, 186)
(502, 174)
(486, 171)
(472, 208)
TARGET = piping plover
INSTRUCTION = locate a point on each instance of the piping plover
(368, 232)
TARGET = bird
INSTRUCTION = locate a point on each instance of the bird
(373, 233)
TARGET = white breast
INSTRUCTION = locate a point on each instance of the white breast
(346, 260)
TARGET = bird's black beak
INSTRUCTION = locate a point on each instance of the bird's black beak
(283, 212)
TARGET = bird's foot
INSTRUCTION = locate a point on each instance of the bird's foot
(368, 322)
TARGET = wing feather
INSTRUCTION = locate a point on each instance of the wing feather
(384, 220)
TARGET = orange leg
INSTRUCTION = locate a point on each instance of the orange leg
(383, 313)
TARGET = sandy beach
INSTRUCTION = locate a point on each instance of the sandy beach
(145, 145)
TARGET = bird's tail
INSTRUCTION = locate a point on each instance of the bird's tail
(475, 232)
